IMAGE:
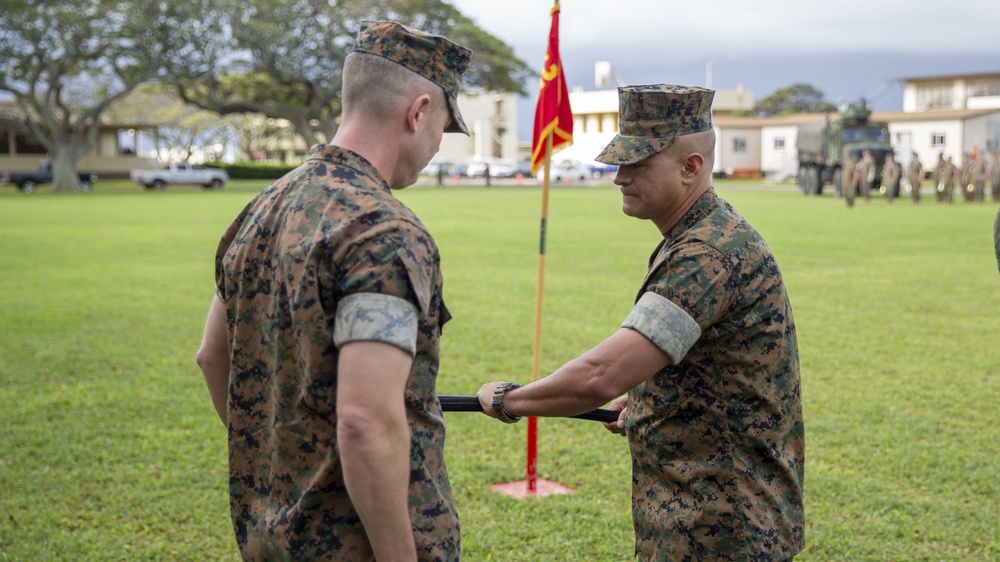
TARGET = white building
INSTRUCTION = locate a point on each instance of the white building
(960, 91)
(595, 123)
(492, 122)
(953, 115)
(928, 133)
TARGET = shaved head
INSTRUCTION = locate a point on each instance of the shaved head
(376, 87)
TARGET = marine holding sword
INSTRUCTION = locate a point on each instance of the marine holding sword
(708, 356)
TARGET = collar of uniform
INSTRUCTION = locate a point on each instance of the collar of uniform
(333, 154)
(702, 206)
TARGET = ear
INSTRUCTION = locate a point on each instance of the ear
(418, 112)
(693, 164)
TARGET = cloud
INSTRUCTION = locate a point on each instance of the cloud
(687, 31)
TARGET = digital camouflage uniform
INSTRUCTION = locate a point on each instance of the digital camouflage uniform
(717, 437)
(915, 177)
(996, 237)
(937, 177)
(848, 180)
(329, 230)
(995, 177)
(890, 177)
(977, 178)
(965, 173)
(947, 180)
(866, 175)
(327, 255)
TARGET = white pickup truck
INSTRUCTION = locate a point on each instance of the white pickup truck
(211, 178)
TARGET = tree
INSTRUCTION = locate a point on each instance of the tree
(284, 58)
(65, 63)
(258, 132)
(180, 129)
(797, 98)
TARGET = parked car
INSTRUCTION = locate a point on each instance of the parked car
(499, 168)
(599, 169)
(28, 182)
(435, 166)
(210, 178)
(566, 171)
(523, 167)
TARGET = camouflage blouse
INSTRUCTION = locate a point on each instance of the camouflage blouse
(996, 237)
(327, 230)
(717, 438)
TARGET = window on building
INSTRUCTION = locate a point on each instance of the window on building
(930, 97)
(779, 143)
(27, 145)
(4, 142)
(984, 88)
(937, 140)
(127, 141)
(740, 144)
(993, 136)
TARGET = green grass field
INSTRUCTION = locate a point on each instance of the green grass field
(110, 449)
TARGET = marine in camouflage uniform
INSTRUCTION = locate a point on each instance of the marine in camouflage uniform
(890, 177)
(323, 268)
(947, 180)
(996, 237)
(977, 178)
(968, 190)
(995, 177)
(866, 175)
(937, 177)
(914, 176)
(708, 355)
(849, 180)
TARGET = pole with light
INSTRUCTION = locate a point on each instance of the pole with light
(711, 62)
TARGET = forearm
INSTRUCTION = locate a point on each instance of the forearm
(217, 380)
(598, 376)
(576, 387)
(213, 357)
(375, 461)
(373, 438)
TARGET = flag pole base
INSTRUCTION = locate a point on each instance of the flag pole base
(519, 489)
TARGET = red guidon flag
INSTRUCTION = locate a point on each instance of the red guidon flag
(552, 114)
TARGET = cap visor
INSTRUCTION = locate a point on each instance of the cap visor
(624, 150)
(457, 123)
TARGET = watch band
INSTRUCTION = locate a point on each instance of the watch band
(498, 409)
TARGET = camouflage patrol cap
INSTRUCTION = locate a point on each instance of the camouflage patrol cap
(432, 56)
(651, 118)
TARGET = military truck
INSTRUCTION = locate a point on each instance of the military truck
(822, 148)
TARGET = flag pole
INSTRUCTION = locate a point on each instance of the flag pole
(532, 454)
(553, 129)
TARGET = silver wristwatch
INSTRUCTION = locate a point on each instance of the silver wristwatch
(498, 393)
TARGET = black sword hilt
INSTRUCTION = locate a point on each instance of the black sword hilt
(471, 404)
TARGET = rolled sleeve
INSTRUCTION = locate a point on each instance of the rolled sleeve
(376, 317)
(667, 325)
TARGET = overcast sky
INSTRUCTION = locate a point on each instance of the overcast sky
(846, 48)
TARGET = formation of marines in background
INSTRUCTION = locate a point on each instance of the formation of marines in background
(976, 171)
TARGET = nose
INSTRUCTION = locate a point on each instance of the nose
(621, 178)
